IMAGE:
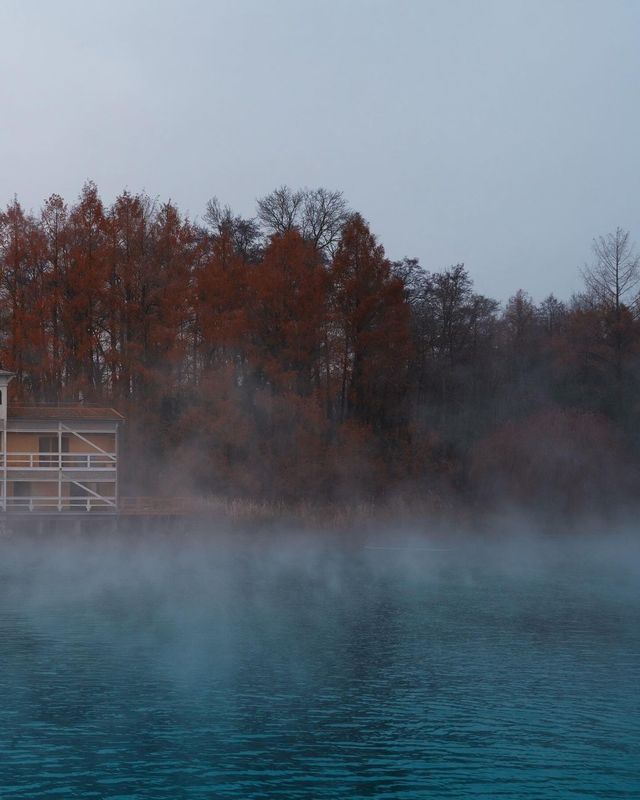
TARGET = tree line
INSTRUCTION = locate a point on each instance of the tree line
(286, 356)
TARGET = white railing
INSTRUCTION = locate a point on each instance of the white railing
(58, 460)
(58, 503)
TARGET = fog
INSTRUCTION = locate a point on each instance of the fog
(167, 587)
(215, 662)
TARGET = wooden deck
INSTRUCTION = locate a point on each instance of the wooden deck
(162, 506)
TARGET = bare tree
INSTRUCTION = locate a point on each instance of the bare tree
(280, 211)
(614, 276)
(244, 233)
(551, 313)
(323, 216)
(612, 281)
(318, 214)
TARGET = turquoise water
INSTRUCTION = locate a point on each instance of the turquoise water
(302, 668)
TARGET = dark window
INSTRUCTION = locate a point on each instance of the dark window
(78, 494)
(49, 444)
(22, 492)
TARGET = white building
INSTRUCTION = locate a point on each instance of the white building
(57, 458)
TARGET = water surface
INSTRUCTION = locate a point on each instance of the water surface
(302, 667)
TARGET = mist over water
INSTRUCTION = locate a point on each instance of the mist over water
(219, 665)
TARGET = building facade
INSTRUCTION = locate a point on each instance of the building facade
(61, 458)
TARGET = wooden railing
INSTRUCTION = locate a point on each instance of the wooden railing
(59, 504)
(58, 460)
(127, 506)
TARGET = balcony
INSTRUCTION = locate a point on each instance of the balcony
(73, 461)
(54, 504)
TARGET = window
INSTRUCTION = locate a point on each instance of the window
(21, 493)
(49, 444)
(80, 493)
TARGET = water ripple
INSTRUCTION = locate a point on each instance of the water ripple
(240, 681)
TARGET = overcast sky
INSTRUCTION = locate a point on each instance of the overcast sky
(503, 134)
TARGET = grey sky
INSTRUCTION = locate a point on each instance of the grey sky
(502, 134)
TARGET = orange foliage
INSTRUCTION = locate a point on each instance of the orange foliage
(553, 462)
(302, 363)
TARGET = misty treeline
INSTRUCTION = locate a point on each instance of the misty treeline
(285, 356)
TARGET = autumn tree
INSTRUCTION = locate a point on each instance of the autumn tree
(285, 356)
(82, 319)
(54, 224)
(286, 313)
(372, 325)
(130, 279)
(168, 342)
(220, 302)
(24, 297)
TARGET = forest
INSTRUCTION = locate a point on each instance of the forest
(286, 357)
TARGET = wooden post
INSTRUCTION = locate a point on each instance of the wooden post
(4, 465)
(117, 436)
(59, 466)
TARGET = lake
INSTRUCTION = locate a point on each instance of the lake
(297, 666)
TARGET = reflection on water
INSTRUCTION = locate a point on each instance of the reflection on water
(273, 668)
